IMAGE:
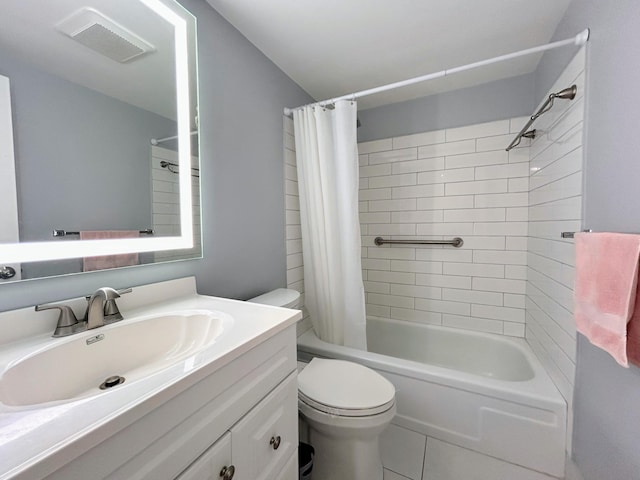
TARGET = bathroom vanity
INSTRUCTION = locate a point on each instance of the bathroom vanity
(223, 407)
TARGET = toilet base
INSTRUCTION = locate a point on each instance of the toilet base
(354, 460)
(346, 448)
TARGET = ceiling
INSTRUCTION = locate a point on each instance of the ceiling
(336, 47)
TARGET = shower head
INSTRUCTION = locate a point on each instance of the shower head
(568, 93)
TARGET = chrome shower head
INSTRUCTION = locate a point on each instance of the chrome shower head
(568, 93)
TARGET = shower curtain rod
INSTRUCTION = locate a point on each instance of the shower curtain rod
(578, 40)
(156, 141)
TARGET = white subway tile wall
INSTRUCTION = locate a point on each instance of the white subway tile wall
(166, 204)
(295, 265)
(439, 185)
(555, 205)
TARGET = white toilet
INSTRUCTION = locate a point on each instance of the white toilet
(346, 406)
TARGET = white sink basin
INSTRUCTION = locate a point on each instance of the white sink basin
(76, 366)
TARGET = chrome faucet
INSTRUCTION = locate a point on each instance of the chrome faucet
(101, 310)
(97, 303)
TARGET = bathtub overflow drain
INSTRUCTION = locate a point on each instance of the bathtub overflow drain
(112, 382)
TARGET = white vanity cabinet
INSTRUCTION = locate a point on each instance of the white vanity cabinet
(259, 446)
(235, 415)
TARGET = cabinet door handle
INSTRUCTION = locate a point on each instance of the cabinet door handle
(275, 442)
(227, 473)
(7, 272)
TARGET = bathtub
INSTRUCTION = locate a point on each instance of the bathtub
(483, 392)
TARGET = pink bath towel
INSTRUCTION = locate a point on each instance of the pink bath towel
(633, 335)
(90, 264)
(605, 295)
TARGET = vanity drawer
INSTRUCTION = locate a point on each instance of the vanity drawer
(290, 471)
(264, 440)
(209, 465)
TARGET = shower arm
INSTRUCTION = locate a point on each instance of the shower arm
(568, 93)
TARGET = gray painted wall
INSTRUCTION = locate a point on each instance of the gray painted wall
(508, 98)
(242, 95)
(607, 396)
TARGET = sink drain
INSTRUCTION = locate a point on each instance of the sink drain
(112, 382)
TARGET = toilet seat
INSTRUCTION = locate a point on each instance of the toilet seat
(342, 412)
(344, 388)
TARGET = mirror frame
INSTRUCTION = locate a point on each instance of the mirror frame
(40, 251)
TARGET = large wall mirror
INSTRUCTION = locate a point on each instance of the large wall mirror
(98, 136)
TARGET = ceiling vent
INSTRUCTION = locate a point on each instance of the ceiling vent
(101, 34)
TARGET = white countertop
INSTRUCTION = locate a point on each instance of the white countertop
(57, 432)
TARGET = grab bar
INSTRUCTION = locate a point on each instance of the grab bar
(456, 242)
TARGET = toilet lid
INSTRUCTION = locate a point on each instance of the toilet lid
(344, 386)
(281, 297)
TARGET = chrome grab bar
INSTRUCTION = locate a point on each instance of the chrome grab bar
(456, 242)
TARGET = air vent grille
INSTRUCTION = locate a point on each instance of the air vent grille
(104, 41)
(101, 34)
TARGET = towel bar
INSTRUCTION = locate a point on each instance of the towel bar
(571, 234)
(64, 233)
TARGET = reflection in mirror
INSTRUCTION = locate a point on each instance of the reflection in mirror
(103, 122)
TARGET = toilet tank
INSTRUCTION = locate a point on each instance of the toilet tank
(281, 297)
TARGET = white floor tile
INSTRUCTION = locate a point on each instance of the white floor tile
(389, 475)
(402, 451)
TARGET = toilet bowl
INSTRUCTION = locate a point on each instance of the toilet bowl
(345, 405)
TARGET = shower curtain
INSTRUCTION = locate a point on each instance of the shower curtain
(327, 160)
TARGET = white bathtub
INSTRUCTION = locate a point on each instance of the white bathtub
(480, 391)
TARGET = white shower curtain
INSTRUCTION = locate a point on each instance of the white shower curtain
(327, 159)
